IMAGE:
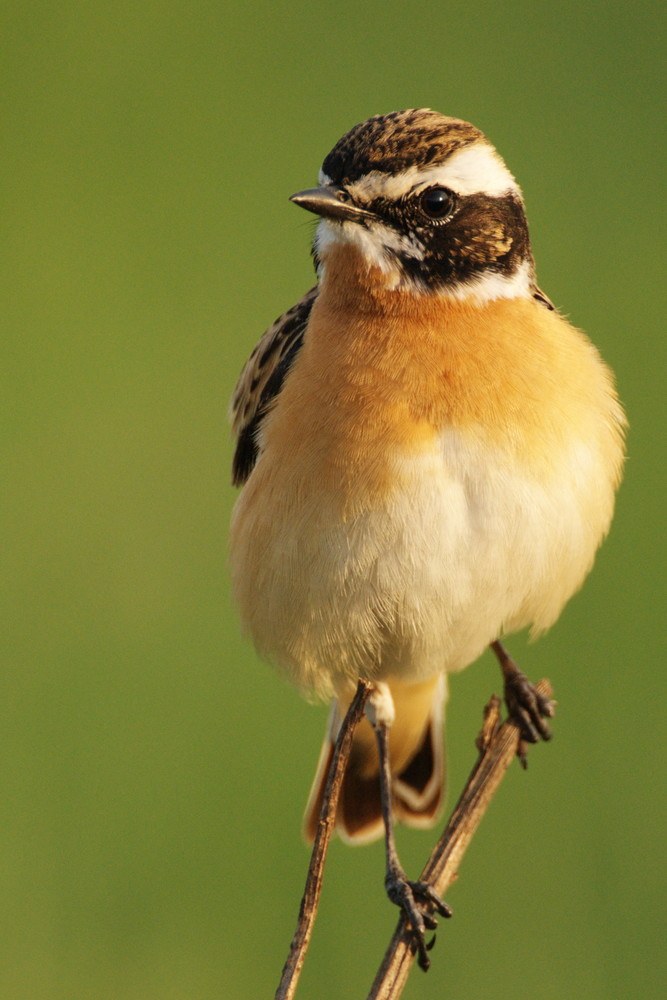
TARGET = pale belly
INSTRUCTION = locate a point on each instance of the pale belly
(464, 546)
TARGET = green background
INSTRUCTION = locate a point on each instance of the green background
(152, 770)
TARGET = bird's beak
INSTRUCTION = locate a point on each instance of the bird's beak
(330, 203)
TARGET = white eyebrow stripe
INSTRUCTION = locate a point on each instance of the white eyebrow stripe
(475, 169)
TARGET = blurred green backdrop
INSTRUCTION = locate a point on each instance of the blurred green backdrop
(152, 771)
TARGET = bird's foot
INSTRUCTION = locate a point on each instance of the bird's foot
(419, 902)
(526, 706)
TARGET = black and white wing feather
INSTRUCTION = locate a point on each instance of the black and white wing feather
(543, 299)
(262, 379)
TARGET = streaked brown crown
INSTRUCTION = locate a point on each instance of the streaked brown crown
(391, 143)
(384, 170)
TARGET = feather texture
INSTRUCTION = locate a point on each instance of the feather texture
(262, 379)
(417, 759)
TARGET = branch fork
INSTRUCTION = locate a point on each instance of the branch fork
(498, 744)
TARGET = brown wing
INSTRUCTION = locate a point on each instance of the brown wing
(262, 379)
(539, 296)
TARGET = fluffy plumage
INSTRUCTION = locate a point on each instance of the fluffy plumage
(431, 451)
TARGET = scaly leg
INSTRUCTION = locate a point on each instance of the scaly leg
(418, 900)
(526, 706)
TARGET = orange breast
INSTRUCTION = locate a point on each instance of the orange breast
(383, 371)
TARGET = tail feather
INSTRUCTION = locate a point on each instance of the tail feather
(420, 788)
(417, 758)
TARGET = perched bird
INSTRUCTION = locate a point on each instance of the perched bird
(429, 455)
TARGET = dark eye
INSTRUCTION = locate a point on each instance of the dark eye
(437, 203)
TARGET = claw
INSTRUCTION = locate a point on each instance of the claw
(429, 895)
(525, 704)
(417, 900)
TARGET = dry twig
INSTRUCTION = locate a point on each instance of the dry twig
(311, 894)
(498, 746)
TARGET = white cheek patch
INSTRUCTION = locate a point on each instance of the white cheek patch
(485, 287)
(373, 243)
(475, 169)
(489, 286)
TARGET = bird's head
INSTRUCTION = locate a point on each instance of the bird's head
(427, 200)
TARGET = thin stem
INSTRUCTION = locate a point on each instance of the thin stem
(311, 894)
(498, 746)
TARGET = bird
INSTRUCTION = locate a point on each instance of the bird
(429, 454)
